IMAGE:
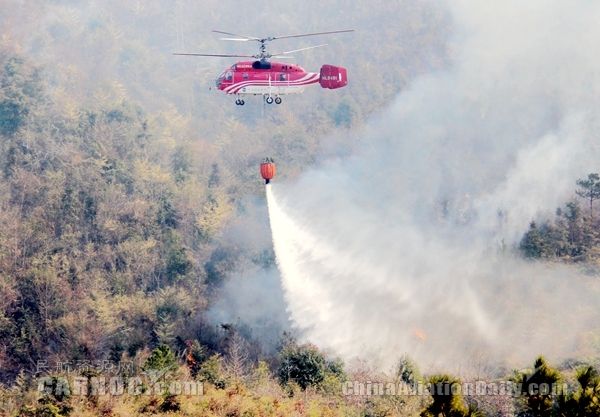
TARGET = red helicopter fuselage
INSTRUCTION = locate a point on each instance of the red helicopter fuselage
(277, 78)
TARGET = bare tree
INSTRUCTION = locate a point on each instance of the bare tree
(236, 360)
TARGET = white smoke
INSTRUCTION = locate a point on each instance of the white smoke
(399, 248)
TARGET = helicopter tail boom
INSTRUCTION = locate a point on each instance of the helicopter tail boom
(333, 77)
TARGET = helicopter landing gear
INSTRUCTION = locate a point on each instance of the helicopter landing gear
(240, 102)
(278, 100)
(269, 100)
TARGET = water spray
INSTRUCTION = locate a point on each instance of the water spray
(410, 246)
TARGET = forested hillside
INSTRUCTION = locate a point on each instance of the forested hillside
(122, 176)
(122, 173)
(132, 218)
(572, 236)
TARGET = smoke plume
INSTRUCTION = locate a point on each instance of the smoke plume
(406, 246)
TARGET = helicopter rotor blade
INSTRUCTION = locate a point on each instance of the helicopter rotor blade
(235, 39)
(263, 53)
(282, 56)
(217, 55)
(311, 34)
(253, 38)
(301, 49)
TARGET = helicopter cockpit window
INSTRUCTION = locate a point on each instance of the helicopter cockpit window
(220, 79)
(228, 76)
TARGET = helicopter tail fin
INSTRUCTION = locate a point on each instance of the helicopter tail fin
(333, 77)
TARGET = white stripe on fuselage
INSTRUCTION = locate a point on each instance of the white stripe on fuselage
(305, 78)
(273, 90)
(272, 87)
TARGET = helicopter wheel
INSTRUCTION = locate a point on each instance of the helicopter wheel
(269, 100)
(242, 102)
(237, 101)
(277, 100)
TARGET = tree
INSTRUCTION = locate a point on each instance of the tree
(537, 388)
(408, 372)
(236, 361)
(447, 400)
(166, 217)
(575, 226)
(20, 90)
(160, 367)
(304, 365)
(589, 189)
(195, 355)
(161, 360)
(212, 371)
(585, 402)
(177, 261)
(533, 244)
(343, 115)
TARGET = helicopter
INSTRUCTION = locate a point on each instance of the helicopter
(270, 79)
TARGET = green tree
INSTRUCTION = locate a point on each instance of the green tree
(181, 164)
(408, 372)
(304, 365)
(584, 402)
(533, 244)
(166, 217)
(589, 189)
(537, 388)
(211, 371)
(343, 115)
(333, 377)
(177, 263)
(574, 224)
(161, 360)
(447, 400)
(20, 90)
